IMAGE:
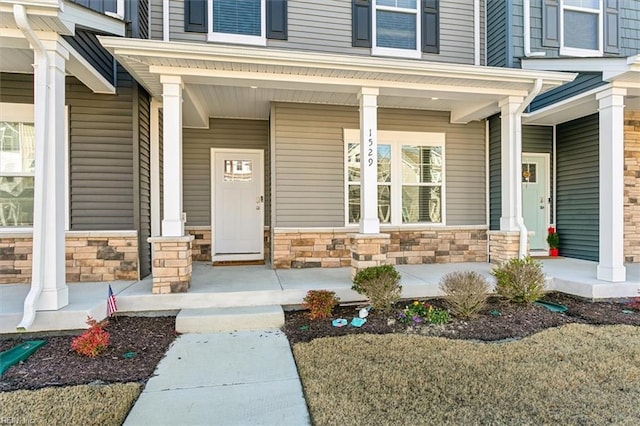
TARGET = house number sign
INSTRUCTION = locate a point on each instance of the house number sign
(370, 149)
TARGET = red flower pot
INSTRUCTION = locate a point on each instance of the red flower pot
(553, 252)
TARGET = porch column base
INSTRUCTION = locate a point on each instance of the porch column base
(52, 299)
(614, 274)
(368, 250)
(504, 245)
(171, 264)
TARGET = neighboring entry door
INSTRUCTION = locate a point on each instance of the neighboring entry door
(237, 204)
(535, 198)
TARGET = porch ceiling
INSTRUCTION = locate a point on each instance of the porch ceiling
(241, 82)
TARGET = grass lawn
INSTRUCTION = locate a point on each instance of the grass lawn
(575, 374)
(72, 405)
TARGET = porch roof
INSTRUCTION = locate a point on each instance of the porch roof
(51, 19)
(241, 82)
(618, 72)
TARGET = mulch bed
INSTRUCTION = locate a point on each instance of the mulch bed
(508, 321)
(55, 364)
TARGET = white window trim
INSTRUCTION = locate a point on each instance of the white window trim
(397, 140)
(119, 11)
(24, 113)
(399, 53)
(574, 51)
(260, 40)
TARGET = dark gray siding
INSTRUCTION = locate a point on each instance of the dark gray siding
(578, 188)
(143, 202)
(495, 173)
(197, 144)
(584, 82)
(138, 18)
(629, 26)
(86, 43)
(101, 157)
(535, 139)
(16, 88)
(497, 33)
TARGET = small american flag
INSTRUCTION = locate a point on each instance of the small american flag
(112, 307)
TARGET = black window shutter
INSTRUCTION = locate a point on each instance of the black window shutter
(277, 19)
(551, 23)
(361, 23)
(195, 16)
(611, 31)
(430, 26)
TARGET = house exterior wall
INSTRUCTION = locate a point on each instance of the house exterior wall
(90, 256)
(584, 82)
(326, 27)
(309, 162)
(577, 221)
(632, 186)
(196, 151)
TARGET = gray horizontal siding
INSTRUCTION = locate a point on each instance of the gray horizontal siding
(326, 27)
(155, 20)
(100, 150)
(310, 162)
(497, 33)
(578, 188)
(197, 144)
(495, 173)
(583, 82)
(101, 158)
(143, 202)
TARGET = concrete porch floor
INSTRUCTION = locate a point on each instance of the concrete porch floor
(229, 286)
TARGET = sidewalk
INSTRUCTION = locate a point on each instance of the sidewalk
(233, 378)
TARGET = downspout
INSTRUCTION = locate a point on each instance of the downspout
(41, 114)
(527, 31)
(537, 87)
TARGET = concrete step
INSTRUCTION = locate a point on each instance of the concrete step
(214, 320)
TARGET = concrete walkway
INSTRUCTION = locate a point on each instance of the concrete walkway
(236, 378)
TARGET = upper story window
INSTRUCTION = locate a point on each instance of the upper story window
(402, 28)
(396, 28)
(581, 23)
(581, 27)
(237, 21)
(114, 8)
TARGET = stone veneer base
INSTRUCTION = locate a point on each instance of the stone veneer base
(172, 264)
(89, 256)
(201, 247)
(504, 245)
(632, 186)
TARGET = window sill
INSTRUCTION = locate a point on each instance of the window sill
(581, 53)
(396, 53)
(237, 39)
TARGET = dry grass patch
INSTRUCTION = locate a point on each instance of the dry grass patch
(576, 374)
(73, 405)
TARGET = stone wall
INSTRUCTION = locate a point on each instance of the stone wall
(90, 256)
(172, 264)
(503, 245)
(632, 186)
(326, 248)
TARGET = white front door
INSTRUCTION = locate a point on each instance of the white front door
(237, 204)
(535, 199)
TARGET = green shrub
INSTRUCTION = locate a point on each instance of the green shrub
(465, 292)
(381, 284)
(320, 303)
(520, 280)
(553, 239)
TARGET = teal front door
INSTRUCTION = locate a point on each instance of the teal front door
(535, 199)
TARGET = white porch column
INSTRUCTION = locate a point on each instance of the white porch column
(172, 223)
(49, 182)
(369, 223)
(511, 159)
(154, 154)
(611, 110)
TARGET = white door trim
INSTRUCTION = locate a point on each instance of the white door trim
(546, 157)
(243, 256)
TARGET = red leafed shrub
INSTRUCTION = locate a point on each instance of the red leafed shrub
(320, 303)
(634, 303)
(93, 341)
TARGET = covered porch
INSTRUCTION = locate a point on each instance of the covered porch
(242, 286)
